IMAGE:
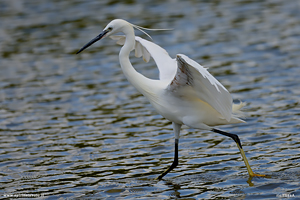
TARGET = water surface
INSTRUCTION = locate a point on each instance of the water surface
(72, 127)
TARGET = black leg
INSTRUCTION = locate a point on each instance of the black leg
(233, 136)
(174, 164)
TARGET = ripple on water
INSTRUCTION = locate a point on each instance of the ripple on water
(71, 126)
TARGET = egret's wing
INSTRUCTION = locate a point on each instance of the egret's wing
(166, 65)
(204, 86)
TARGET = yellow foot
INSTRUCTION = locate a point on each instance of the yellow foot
(260, 175)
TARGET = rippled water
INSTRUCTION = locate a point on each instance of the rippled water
(72, 127)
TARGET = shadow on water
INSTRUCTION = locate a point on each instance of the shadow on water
(203, 186)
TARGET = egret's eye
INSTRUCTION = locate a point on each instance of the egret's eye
(109, 28)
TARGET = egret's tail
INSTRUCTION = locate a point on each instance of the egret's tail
(236, 109)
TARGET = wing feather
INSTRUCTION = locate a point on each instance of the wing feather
(203, 84)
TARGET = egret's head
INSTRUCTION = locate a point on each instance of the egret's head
(115, 26)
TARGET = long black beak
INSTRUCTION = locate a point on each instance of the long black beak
(101, 35)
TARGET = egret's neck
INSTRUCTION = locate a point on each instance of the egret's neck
(140, 82)
(128, 46)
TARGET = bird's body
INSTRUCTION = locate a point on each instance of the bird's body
(184, 107)
(185, 93)
(180, 95)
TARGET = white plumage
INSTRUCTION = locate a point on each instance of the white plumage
(186, 93)
(192, 95)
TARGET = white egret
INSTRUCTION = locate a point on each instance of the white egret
(186, 93)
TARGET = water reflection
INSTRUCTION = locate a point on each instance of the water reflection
(72, 126)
